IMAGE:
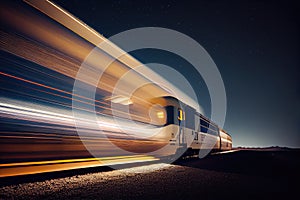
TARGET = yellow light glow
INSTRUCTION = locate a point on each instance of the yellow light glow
(160, 115)
(180, 115)
(25, 168)
(120, 99)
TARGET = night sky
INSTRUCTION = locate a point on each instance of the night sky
(255, 45)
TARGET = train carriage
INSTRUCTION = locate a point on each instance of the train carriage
(190, 130)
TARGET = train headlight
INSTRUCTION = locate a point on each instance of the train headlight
(160, 114)
(157, 115)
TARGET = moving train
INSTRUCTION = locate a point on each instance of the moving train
(189, 130)
(182, 130)
(39, 131)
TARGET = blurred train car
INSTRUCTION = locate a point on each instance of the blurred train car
(38, 70)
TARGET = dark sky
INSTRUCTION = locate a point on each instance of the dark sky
(255, 45)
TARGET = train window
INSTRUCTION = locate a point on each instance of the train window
(180, 114)
(215, 128)
(203, 129)
(212, 132)
(204, 123)
(170, 114)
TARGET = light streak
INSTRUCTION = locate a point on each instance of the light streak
(44, 114)
(37, 131)
(224, 152)
(82, 97)
(15, 169)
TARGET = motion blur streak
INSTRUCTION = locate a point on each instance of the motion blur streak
(49, 166)
(69, 93)
(40, 58)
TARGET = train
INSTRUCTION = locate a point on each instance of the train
(183, 131)
(194, 127)
(38, 124)
(189, 130)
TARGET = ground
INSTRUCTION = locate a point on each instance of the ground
(245, 174)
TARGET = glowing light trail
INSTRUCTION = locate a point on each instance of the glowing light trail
(15, 169)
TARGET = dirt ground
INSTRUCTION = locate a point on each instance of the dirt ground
(245, 174)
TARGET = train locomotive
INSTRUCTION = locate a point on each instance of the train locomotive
(191, 131)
